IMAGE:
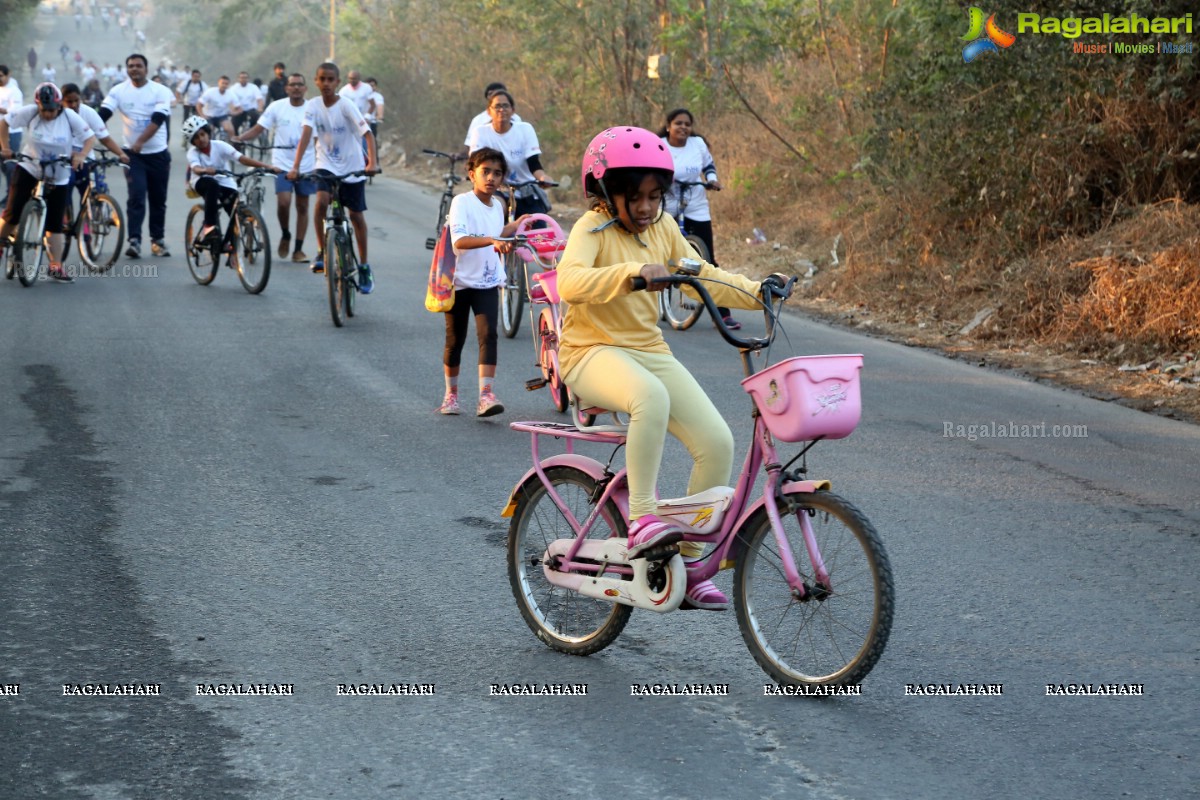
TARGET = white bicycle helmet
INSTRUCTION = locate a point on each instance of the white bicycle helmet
(193, 125)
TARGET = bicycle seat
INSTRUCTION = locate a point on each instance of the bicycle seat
(582, 411)
(544, 242)
(543, 287)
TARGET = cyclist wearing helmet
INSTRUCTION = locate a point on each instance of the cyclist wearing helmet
(612, 353)
(50, 132)
(204, 158)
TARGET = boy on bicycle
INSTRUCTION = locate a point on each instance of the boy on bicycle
(340, 129)
(205, 157)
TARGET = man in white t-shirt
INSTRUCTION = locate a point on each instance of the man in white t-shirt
(216, 104)
(145, 109)
(359, 93)
(189, 91)
(340, 129)
(376, 116)
(48, 73)
(10, 100)
(247, 102)
(285, 118)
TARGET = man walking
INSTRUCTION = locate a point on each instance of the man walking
(145, 109)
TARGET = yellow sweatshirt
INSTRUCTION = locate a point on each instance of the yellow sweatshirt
(593, 278)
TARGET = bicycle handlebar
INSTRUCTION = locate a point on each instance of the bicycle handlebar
(638, 283)
(241, 176)
(326, 176)
(440, 154)
(534, 182)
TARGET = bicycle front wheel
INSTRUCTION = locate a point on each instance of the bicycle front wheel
(512, 295)
(28, 250)
(201, 260)
(252, 255)
(333, 277)
(833, 636)
(350, 275)
(103, 232)
(564, 620)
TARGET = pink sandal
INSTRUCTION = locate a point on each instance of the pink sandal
(706, 596)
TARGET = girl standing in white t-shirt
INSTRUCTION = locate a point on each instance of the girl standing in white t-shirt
(476, 218)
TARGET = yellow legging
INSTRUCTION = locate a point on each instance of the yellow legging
(659, 395)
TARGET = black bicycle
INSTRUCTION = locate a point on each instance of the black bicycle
(246, 245)
(513, 293)
(341, 263)
(450, 180)
(680, 311)
(99, 226)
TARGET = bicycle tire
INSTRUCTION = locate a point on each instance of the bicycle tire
(201, 260)
(349, 274)
(253, 262)
(512, 295)
(679, 310)
(859, 605)
(564, 620)
(547, 357)
(333, 277)
(443, 211)
(100, 243)
(28, 249)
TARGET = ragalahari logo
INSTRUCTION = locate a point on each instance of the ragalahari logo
(984, 37)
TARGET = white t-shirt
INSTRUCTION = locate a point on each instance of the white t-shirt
(287, 123)
(86, 74)
(94, 123)
(46, 139)
(518, 144)
(136, 106)
(693, 162)
(191, 93)
(221, 155)
(246, 97)
(480, 268)
(378, 115)
(338, 131)
(482, 118)
(361, 97)
(10, 100)
(215, 102)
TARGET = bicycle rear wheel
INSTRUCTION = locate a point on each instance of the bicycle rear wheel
(201, 260)
(564, 620)
(28, 250)
(836, 634)
(679, 310)
(333, 277)
(253, 262)
(103, 232)
(548, 358)
(512, 295)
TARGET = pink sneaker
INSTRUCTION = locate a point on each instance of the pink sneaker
(449, 404)
(705, 595)
(651, 531)
(489, 406)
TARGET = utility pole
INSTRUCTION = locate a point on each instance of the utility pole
(332, 24)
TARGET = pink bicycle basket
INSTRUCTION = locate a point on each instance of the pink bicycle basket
(807, 397)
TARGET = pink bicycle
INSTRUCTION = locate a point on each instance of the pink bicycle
(812, 585)
(540, 248)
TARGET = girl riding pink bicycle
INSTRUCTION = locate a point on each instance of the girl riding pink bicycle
(612, 353)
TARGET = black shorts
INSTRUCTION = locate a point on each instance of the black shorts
(352, 196)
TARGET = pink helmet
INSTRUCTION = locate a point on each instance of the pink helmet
(625, 146)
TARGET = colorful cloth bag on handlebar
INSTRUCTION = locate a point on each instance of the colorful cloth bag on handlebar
(439, 295)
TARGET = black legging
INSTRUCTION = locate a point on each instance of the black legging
(485, 305)
(215, 195)
(704, 231)
(21, 190)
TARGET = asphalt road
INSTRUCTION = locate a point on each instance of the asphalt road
(202, 486)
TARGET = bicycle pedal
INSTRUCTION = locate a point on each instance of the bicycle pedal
(661, 553)
(430, 244)
(535, 384)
